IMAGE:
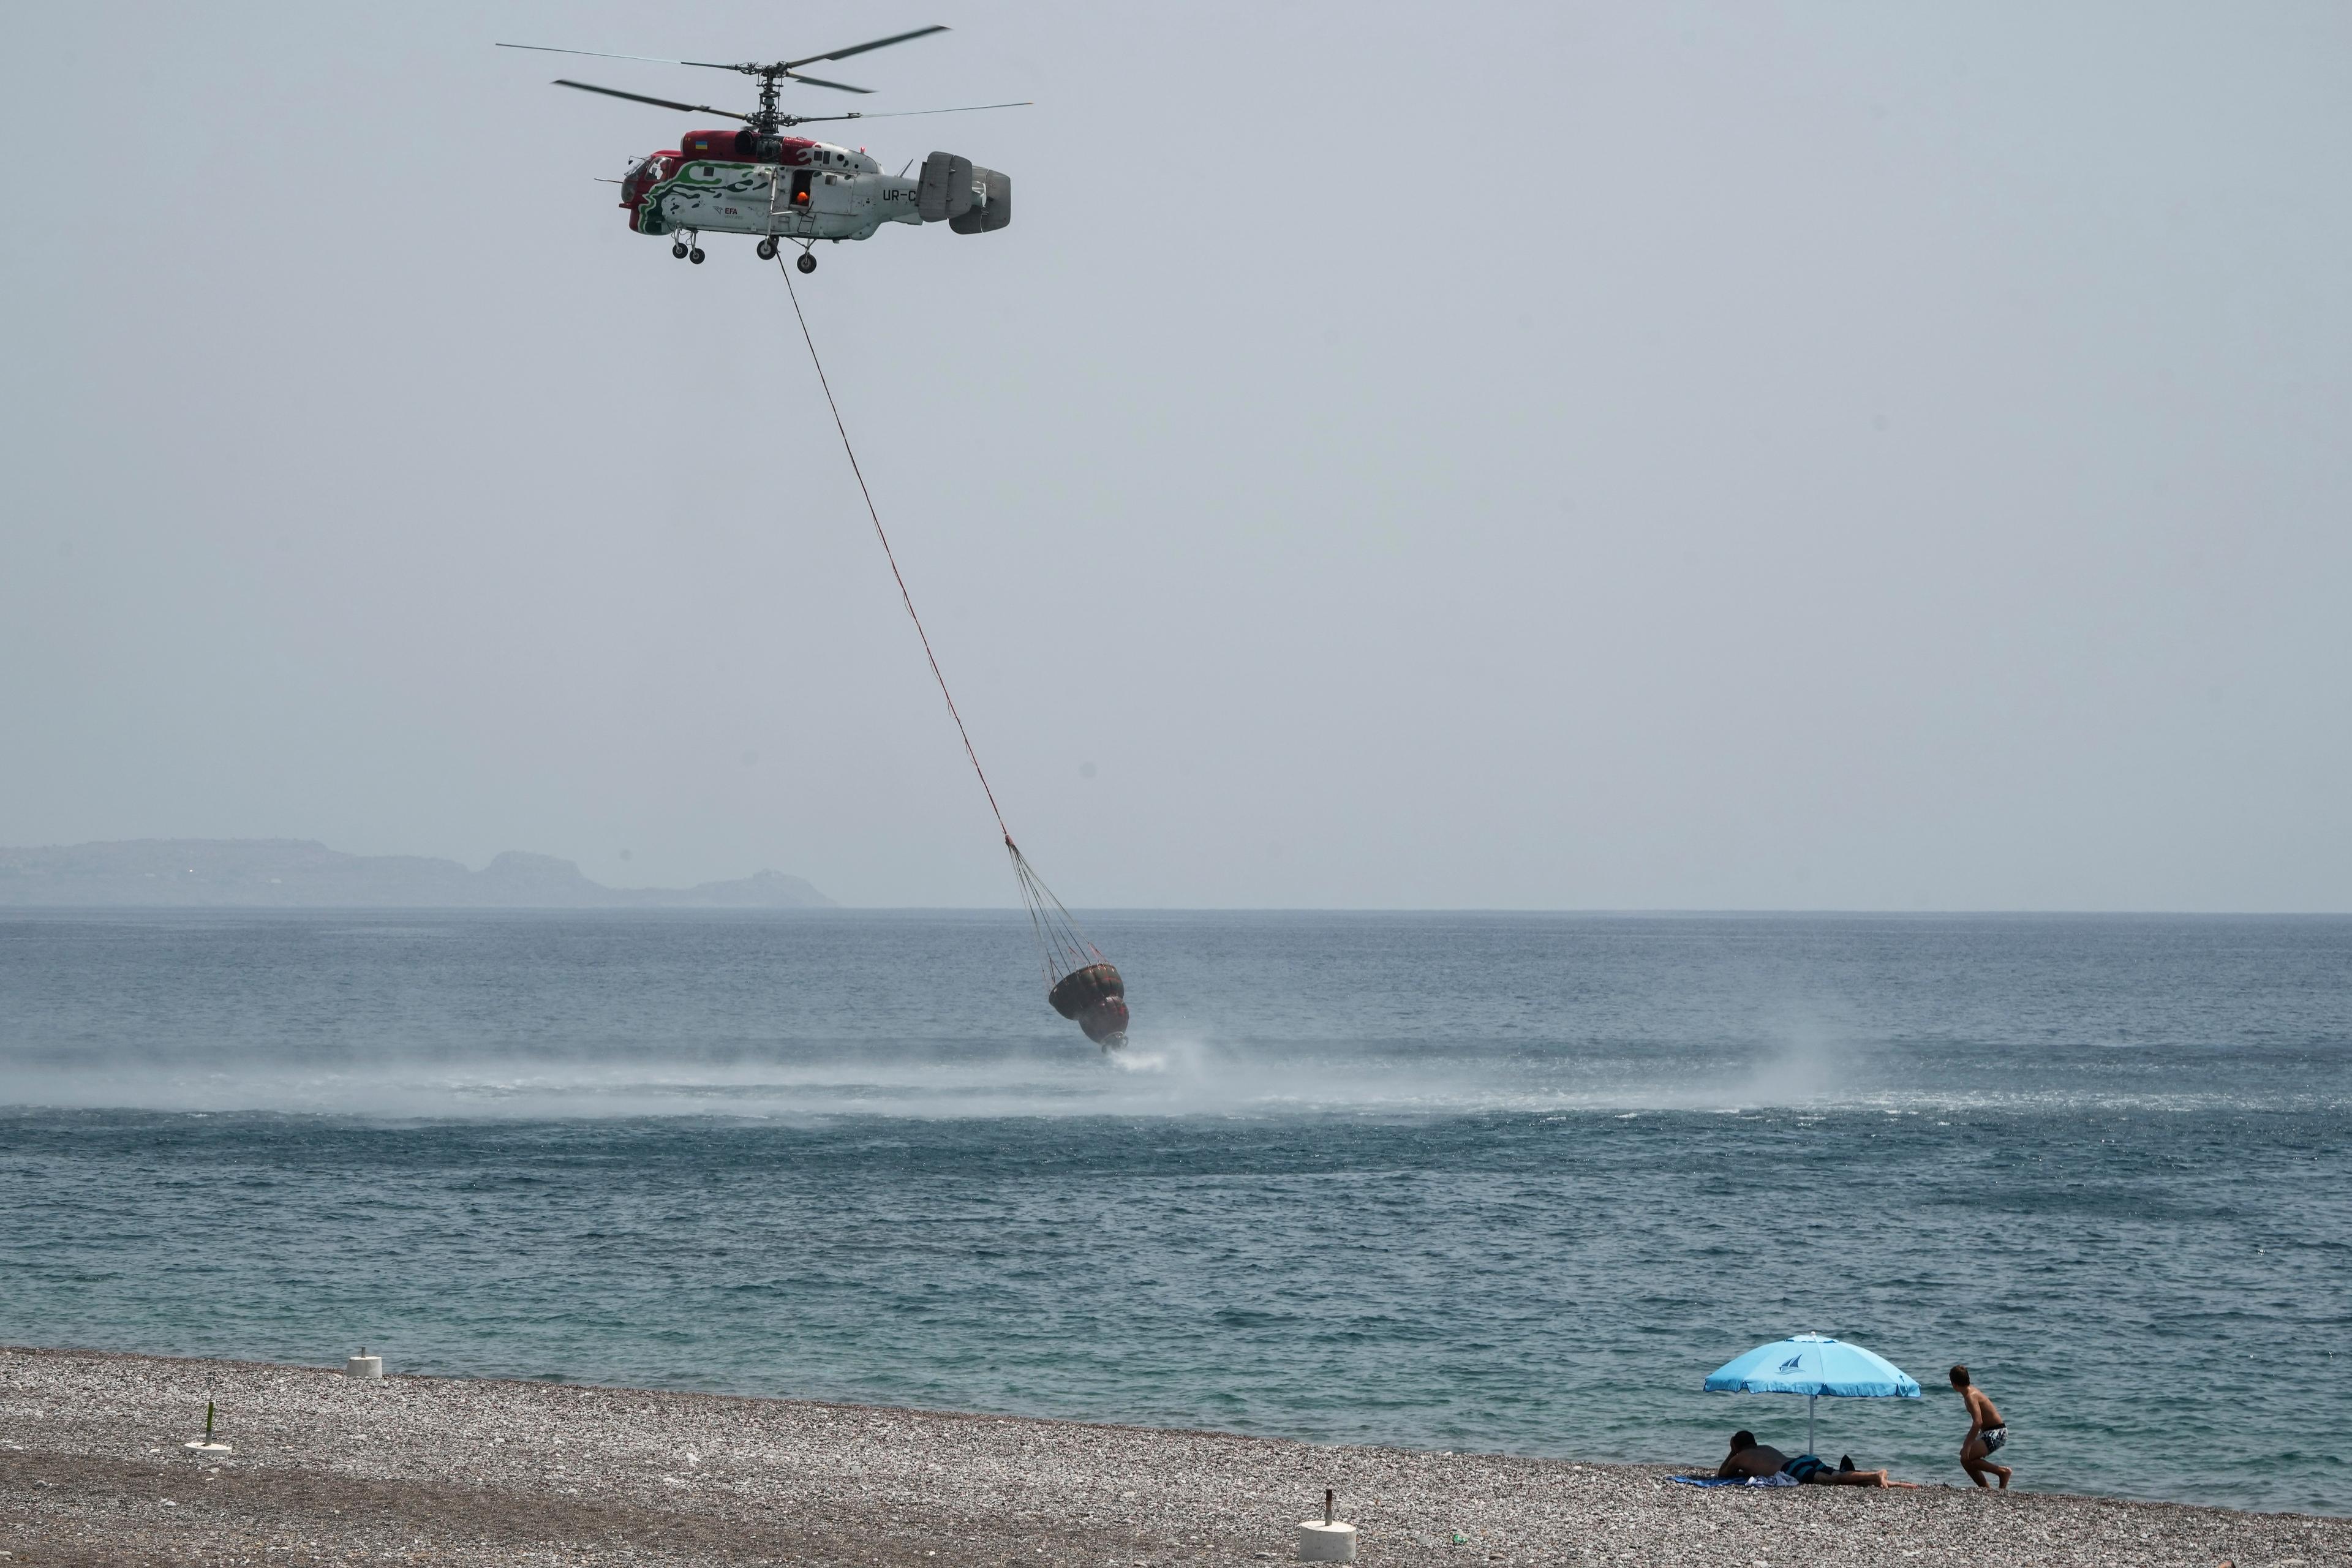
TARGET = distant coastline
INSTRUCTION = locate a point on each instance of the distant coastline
(298, 873)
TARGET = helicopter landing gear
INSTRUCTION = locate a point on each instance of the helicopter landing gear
(807, 263)
(695, 256)
(766, 248)
(679, 251)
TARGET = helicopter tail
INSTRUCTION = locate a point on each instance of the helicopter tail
(968, 198)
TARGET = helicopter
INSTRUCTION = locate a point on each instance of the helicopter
(792, 190)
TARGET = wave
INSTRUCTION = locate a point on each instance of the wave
(1167, 1077)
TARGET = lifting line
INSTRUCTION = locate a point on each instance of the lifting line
(905, 597)
(1063, 946)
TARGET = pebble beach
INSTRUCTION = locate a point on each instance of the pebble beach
(326, 1468)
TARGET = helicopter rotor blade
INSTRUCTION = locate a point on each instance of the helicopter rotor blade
(861, 48)
(782, 68)
(820, 81)
(901, 113)
(656, 103)
(961, 109)
(601, 54)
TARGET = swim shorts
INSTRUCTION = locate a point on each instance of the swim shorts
(1994, 1437)
(1804, 1466)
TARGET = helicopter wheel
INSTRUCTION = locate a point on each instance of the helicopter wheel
(695, 256)
(679, 251)
(768, 249)
(807, 263)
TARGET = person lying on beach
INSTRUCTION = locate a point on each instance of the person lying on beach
(1987, 1431)
(1751, 1457)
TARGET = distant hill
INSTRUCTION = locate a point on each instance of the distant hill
(297, 873)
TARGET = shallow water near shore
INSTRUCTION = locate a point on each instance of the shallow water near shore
(1509, 1183)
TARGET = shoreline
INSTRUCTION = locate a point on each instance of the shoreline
(327, 1468)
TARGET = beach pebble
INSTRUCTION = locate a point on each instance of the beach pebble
(484, 1472)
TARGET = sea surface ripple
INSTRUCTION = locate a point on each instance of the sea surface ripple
(1506, 1183)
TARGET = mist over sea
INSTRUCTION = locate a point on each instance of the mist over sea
(1508, 1182)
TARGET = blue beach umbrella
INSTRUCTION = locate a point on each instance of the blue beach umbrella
(1812, 1365)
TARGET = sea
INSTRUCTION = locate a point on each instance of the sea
(1510, 1183)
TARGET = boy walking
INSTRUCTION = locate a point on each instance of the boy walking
(1987, 1431)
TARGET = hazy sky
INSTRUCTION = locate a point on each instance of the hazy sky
(1494, 456)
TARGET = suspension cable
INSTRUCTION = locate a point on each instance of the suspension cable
(891, 555)
(1060, 940)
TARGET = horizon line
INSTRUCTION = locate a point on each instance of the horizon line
(1580, 911)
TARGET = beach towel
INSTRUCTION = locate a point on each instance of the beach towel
(1771, 1480)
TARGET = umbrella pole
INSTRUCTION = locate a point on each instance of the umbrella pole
(1809, 1421)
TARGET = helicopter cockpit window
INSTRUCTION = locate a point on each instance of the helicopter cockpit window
(641, 179)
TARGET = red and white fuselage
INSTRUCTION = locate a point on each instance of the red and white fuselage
(791, 188)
